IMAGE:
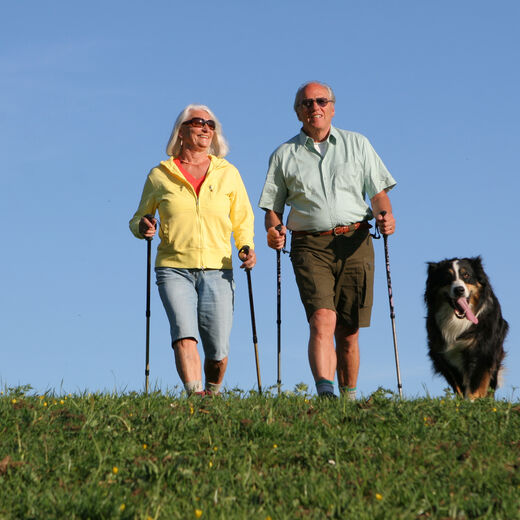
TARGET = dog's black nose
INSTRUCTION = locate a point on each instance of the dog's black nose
(458, 291)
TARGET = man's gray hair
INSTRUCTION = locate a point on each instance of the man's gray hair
(218, 147)
(299, 94)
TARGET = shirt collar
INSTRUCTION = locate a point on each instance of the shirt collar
(303, 137)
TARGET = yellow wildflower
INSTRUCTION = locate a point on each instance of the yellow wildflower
(379, 496)
(198, 513)
(122, 507)
(115, 470)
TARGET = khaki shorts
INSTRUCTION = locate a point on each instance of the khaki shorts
(337, 273)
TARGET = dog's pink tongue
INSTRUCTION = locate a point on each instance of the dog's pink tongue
(463, 304)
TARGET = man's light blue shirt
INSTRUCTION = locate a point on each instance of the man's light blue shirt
(324, 191)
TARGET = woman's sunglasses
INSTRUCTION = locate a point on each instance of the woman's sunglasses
(321, 101)
(198, 122)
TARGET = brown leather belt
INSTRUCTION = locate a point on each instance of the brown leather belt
(339, 230)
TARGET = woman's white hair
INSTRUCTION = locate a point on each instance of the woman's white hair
(299, 94)
(218, 147)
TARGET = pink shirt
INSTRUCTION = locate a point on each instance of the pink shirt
(196, 183)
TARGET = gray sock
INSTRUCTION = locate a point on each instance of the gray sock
(349, 393)
(193, 386)
(214, 388)
(325, 386)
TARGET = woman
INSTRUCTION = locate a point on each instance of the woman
(201, 200)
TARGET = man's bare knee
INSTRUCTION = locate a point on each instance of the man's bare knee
(323, 321)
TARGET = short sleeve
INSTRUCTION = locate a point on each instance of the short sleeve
(274, 192)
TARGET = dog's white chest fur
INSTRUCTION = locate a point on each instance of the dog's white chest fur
(451, 328)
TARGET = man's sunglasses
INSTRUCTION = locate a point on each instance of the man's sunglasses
(321, 102)
(198, 122)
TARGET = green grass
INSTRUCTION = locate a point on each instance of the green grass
(247, 456)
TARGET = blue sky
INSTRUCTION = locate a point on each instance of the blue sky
(89, 93)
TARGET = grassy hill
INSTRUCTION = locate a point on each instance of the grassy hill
(248, 456)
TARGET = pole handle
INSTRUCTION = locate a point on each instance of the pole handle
(283, 250)
(150, 217)
(385, 236)
(244, 249)
(383, 213)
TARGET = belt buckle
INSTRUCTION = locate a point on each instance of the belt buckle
(334, 230)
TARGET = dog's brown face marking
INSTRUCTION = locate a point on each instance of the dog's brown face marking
(474, 299)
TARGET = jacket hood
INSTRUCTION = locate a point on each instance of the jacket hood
(216, 162)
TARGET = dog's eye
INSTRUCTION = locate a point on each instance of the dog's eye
(465, 276)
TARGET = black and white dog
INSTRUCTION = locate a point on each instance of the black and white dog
(466, 330)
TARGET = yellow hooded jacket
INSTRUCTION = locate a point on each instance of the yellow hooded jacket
(195, 232)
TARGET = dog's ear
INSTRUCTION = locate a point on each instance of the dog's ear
(478, 269)
(431, 267)
(476, 261)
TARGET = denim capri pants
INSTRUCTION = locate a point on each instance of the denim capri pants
(199, 304)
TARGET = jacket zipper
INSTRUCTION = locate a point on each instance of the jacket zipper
(197, 209)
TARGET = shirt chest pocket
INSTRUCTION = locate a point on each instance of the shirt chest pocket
(347, 176)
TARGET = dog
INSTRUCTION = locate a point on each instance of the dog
(465, 327)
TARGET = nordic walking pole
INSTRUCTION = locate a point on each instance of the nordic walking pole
(279, 312)
(392, 312)
(245, 250)
(148, 271)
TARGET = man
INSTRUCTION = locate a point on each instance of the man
(324, 174)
